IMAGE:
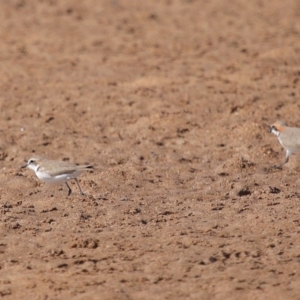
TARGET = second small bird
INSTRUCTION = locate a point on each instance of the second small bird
(289, 138)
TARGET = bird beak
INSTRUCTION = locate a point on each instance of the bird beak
(267, 127)
(25, 166)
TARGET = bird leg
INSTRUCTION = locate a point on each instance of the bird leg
(70, 191)
(287, 156)
(81, 192)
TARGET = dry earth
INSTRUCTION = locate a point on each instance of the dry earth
(170, 100)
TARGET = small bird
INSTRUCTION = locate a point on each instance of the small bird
(288, 137)
(52, 171)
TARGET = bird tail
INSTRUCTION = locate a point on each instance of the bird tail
(88, 167)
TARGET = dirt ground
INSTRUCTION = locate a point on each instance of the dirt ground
(171, 101)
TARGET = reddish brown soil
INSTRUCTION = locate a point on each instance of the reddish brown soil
(170, 101)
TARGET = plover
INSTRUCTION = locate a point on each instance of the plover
(52, 171)
(288, 137)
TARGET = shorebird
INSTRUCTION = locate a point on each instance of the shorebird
(52, 171)
(288, 137)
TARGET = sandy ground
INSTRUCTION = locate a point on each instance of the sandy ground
(170, 100)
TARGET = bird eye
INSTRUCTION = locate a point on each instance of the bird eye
(31, 161)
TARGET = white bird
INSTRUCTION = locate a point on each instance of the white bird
(288, 137)
(52, 171)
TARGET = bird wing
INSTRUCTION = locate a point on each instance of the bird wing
(54, 168)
